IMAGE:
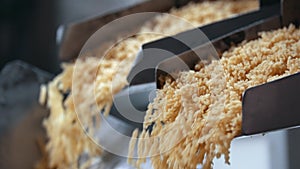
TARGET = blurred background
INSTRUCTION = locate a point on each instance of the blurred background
(28, 27)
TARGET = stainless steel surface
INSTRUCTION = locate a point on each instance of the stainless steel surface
(272, 106)
(76, 34)
(234, 31)
(131, 104)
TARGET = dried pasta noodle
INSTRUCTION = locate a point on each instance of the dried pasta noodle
(66, 139)
(206, 104)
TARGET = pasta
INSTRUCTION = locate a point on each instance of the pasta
(195, 117)
(90, 92)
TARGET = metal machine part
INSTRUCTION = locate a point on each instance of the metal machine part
(24, 91)
(75, 35)
(234, 31)
(21, 118)
(21, 115)
(179, 52)
(189, 42)
(176, 54)
(271, 106)
(267, 107)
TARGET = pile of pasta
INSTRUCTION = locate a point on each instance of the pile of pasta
(194, 118)
(84, 88)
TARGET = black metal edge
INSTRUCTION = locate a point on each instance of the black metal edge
(252, 125)
(212, 31)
